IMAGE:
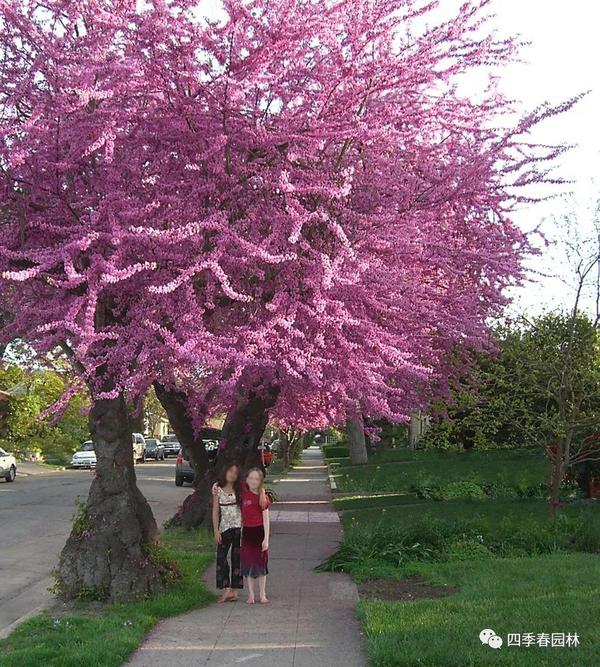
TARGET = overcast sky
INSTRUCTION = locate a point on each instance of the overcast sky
(562, 60)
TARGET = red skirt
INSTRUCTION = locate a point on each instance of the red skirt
(254, 560)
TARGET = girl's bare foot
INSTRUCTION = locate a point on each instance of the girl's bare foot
(227, 595)
(250, 600)
(233, 597)
(264, 600)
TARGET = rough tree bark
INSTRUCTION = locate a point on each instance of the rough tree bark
(194, 509)
(297, 447)
(108, 553)
(285, 447)
(244, 427)
(356, 439)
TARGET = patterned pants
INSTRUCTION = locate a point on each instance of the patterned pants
(230, 539)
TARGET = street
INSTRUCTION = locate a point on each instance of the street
(35, 518)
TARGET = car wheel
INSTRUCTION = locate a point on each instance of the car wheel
(12, 473)
(178, 480)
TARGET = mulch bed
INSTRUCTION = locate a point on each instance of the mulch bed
(405, 589)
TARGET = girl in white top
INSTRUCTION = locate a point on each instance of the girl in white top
(227, 526)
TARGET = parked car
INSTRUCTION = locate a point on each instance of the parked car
(139, 448)
(85, 457)
(171, 444)
(184, 470)
(155, 449)
(8, 466)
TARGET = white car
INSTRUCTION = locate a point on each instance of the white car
(8, 466)
(139, 448)
(85, 457)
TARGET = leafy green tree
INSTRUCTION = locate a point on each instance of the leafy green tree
(153, 412)
(541, 387)
(24, 429)
(484, 409)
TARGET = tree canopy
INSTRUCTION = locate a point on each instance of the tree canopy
(540, 385)
(297, 194)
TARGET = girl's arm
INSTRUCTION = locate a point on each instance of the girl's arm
(262, 499)
(267, 527)
(215, 519)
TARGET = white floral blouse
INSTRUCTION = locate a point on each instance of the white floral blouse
(231, 513)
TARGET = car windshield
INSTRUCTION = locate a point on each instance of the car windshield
(87, 447)
(171, 439)
(151, 442)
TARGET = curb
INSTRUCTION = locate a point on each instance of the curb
(332, 482)
(6, 631)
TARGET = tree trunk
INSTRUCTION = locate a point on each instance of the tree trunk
(194, 510)
(555, 485)
(244, 427)
(108, 553)
(356, 439)
(284, 448)
(297, 447)
(136, 416)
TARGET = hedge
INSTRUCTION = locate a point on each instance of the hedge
(335, 451)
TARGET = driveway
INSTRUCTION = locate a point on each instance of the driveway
(35, 518)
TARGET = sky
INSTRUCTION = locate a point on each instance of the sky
(562, 60)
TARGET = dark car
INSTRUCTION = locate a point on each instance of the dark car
(184, 469)
(171, 444)
(155, 449)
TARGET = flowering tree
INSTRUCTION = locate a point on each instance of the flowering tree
(294, 204)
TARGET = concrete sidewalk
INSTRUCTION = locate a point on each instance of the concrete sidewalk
(311, 620)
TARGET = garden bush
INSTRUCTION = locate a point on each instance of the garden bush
(335, 451)
(431, 539)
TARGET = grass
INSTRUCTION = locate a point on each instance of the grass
(542, 594)
(516, 569)
(490, 512)
(384, 500)
(105, 635)
(402, 471)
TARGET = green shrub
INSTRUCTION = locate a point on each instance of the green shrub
(464, 489)
(468, 549)
(429, 539)
(335, 451)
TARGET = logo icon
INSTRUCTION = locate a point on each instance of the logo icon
(489, 637)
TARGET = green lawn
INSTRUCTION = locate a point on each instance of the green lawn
(490, 512)
(401, 471)
(516, 569)
(104, 636)
(384, 500)
(545, 594)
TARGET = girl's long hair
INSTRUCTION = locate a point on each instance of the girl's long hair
(237, 485)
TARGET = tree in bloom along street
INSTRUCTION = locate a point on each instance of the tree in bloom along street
(293, 204)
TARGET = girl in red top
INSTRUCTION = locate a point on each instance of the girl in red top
(255, 535)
